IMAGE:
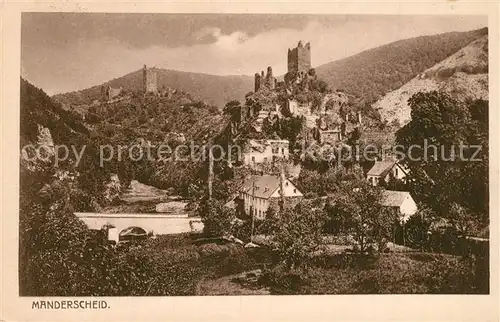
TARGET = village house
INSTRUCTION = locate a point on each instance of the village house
(261, 192)
(383, 170)
(265, 151)
(401, 202)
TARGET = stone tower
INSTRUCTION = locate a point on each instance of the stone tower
(257, 82)
(299, 58)
(270, 80)
(267, 80)
(149, 80)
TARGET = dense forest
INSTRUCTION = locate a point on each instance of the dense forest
(372, 73)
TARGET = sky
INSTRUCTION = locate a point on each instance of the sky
(63, 52)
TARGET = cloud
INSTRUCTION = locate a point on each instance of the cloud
(207, 31)
(93, 62)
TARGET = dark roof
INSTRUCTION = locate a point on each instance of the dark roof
(392, 198)
(381, 168)
(264, 185)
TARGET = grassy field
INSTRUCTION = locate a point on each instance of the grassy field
(181, 262)
(189, 265)
(393, 273)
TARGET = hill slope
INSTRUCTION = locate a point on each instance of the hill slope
(463, 75)
(372, 73)
(368, 75)
(38, 112)
(155, 118)
(216, 90)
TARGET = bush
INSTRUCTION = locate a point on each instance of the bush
(414, 273)
(283, 281)
(217, 219)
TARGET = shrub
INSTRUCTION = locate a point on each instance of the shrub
(283, 281)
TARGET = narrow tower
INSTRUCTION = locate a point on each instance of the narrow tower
(299, 58)
(149, 80)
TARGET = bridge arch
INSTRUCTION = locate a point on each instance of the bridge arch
(132, 233)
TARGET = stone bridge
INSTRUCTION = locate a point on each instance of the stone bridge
(158, 224)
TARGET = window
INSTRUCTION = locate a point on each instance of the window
(253, 159)
(265, 159)
(286, 184)
(294, 190)
(396, 171)
(282, 150)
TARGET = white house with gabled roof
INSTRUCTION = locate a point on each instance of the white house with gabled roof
(401, 202)
(383, 170)
(261, 192)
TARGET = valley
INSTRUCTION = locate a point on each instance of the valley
(197, 184)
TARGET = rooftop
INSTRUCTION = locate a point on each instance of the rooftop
(391, 198)
(380, 168)
(261, 186)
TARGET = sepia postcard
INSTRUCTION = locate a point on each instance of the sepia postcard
(237, 161)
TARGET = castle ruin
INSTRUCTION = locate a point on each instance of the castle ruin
(149, 79)
(108, 93)
(299, 58)
(268, 80)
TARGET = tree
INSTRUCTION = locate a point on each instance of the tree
(59, 255)
(317, 182)
(418, 226)
(357, 209)
(233, 109)
(298, 234)
(440, 177)
(217, 219)
(462, 220)
(270, 223)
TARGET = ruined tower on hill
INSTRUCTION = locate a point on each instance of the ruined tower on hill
(299, 58)
(267, 80)
(149, 80)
